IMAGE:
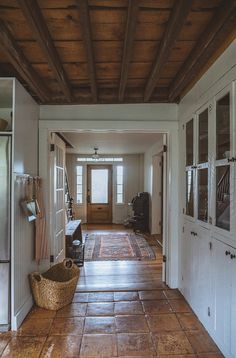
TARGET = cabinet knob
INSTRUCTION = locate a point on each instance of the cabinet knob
(227, 253)
(232, 256)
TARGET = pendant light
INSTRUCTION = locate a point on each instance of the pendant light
(95, 156)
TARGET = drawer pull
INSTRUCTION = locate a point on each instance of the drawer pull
(227, 253)
(232, 256)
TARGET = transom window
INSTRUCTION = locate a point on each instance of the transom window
(102, 159)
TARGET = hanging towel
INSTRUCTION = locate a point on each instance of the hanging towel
(41, 243)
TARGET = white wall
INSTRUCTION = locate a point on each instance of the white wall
(133, 183)
(25, 144)
(111, 112)
(149, 184)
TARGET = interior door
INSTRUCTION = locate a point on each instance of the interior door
(58, 199)
(99, 194)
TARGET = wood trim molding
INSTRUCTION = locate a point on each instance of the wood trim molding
(87, 38)
(221, 25)
(177, 19)
(34, 17)
(128, 45)
(21, 64)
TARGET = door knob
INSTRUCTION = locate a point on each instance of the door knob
(232, 256)
(227, 253)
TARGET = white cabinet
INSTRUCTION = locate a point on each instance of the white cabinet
(196, 271)
(224, 290)
(209, 283)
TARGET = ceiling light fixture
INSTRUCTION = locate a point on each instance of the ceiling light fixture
(95, 156)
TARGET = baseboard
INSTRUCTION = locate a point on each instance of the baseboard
(18, 318)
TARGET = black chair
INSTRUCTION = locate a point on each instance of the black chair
(140, 206)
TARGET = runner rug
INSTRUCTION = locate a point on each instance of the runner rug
(117, 247)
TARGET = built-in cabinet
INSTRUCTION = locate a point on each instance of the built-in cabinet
(208, 270)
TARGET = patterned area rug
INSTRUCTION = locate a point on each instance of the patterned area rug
(117, 247)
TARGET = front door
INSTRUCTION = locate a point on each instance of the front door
(99, 195)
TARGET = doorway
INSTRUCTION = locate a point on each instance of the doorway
(170, 232)
(99, 194)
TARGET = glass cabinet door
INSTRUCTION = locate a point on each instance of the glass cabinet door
(189, 168)
(203, 194)
(189, 193)
(223, 197)
(203, 166)
(189, 143)
(203, 137)
(223, 127)
(222, 165)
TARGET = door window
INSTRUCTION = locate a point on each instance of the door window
(99, 186)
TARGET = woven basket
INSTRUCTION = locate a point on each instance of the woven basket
(55, 288)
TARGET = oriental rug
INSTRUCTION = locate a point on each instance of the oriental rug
(127, 246)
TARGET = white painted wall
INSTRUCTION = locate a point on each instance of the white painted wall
(221, 74)
(111, 112)
(25, 144)
(133, 183)
(150, 176)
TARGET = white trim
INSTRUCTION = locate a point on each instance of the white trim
(18, 318)
(172, 205)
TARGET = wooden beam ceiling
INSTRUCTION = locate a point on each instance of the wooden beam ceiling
(219, 28)
(175, 24)
(128, 45)
(87, 39)
(34, 17)
(21, 64)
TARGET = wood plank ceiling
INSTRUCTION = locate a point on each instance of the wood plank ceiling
(112, 51)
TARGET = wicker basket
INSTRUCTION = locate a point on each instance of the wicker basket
(55, 288)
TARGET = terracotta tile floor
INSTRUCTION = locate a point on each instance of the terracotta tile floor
(156, 323)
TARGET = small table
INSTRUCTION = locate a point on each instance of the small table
(72, 232)
(78, 252)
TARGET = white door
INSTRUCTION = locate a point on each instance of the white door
(157, 194)
(57, 199)
(165, 253)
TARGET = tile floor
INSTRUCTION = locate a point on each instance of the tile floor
(156, 323)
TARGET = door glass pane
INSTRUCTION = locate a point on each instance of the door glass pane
(223, 197)
(189, 193)
(203, 194)
(99, 186)
(203, 137)
(223, 128)
(189, 143)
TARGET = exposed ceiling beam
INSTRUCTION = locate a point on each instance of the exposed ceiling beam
(222, 23)
(34, 17)
(21, 64)
(174, 26)
(128, 45)
(87, 39)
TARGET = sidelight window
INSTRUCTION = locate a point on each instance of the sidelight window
(79, 184)
(119, 184)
